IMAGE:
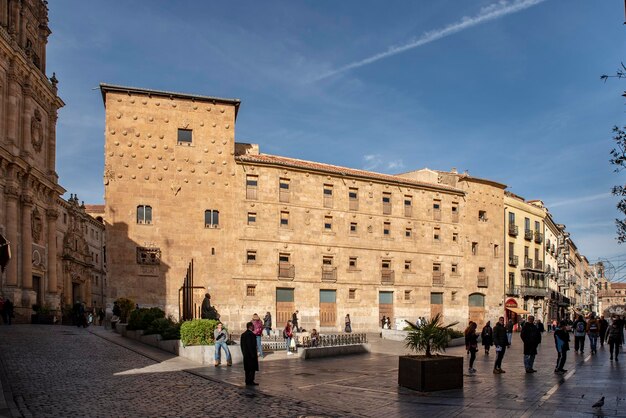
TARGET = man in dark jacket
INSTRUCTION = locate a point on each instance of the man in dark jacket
(501, 342)
(532, 338)
(561, 341)
(604, 326)
(248, 350)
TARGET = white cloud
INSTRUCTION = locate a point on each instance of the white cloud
(491, 12)
(578, 200)
(374, 162)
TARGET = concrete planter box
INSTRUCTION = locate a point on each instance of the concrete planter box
(135, 334)
(152, 339)
(340, 350)
(428, 374)
(171, 346)
(121, 329)
(204, 354)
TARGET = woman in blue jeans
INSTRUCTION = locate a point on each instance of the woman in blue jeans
(288, 335)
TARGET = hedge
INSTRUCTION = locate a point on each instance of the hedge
(144, 317)
(198, 332)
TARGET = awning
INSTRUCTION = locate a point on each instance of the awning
(518, 311)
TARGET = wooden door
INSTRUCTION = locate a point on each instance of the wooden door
(328, 308)
(285, 306)
(436, 304)
(385, 306)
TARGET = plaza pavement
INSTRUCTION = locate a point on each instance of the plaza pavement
(57, 371)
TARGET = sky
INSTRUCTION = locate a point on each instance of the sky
(505, 90)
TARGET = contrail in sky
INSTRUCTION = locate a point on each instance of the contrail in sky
(492, 12)
(578, 200)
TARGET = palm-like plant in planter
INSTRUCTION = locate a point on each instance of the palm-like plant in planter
(430, 372)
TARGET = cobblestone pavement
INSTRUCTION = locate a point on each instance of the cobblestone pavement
(58, 371)
(61, 371)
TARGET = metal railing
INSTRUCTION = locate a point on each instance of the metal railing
(513, 260)
(528, 234)
(329, 274)
(512, 291)
(538, 264)
(439, 279)
(334, 340)
(286, 271)
(538, 237)
(387, 276)
(533, 291)
(513, 230)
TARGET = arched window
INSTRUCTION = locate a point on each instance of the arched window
(477, 300)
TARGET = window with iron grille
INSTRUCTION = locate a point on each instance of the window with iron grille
(144, 214)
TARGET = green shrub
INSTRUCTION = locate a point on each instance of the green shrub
(198, 332)
(142, 318)
(172, 332)
(126, 306)
(455, 333)
(158, 326)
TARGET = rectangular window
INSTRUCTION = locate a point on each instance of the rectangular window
(250, 290)
(437, 234)
(251, 187)
(537, 227)
(455, 237)
(251, 257)
(437, 209)
(328, 223)
(283, 258)
(407, 265)
(482, 216)
(454, 269)
(386, 264)
(251, 218)
(184, 136)
(386, 203)
(284, 219)
(327, 261)
(496, 250)
(352, 263)
(353, 196)
(407, 295)
(408, 206)
(436, 298)
(353, 227)
(211, 218)
(328, 195)
(474, 248)
(408, 233)
(144, 214)
(455, 212)
(352, 294)
(386, 228)
(283, 190)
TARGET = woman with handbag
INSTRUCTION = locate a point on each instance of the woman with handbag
(288, 336)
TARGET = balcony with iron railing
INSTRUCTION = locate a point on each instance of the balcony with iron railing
(387, 276)
(513, 260)
(528, 234)
(483, 280)
(538, 237)
(538, 265)
(535, 291)
(439, 279)
(286, 271)
(513, 230)
(512, 291)
(329, 274)
(528, 263)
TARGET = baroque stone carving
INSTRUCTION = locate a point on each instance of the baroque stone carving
(36, 131)
(36, 225)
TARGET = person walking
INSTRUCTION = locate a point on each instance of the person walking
(248, 351)
(604, 326)
(615, 338)
(471, 344)
(221, 337)
(294, 321)
(383, 321)
(348, 323)
(258, 332)
(580, 328)
(500, 341)
(267, 323)
(593, 332)
(509, 331)
(532, 338)
(288, 335)
(486, 335)
(7, 311)
(561, 342)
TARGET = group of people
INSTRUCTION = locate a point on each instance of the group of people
(385, 322)
(531, 331)
(6, 310)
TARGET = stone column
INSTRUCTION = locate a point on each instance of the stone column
(12, 108)
(51, 216)
(52, 142)
(26, 150)
(12, 196)
(27, 242)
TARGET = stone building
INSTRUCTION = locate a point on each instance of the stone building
(28, 181)
(276, 234)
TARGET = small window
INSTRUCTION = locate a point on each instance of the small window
(251, 218)
(386, 228)
(283, 258)
(251, 187)
(386, 264)
(327, 261)
(353, 227)
(352, 263)
(144, 214)
(352, 294)
(284, 219)
(408, 205)
(283, 186)
(251, 257)
(386, 203)
(496, 250)
(408, 233)
(481, 270)
(436, 267)
(474, 248)
(353, 196)
(328, 223)
(454, 269)
(437, 205)
(437, 234)
(455, 237)
(250, 290)
(184, 136)
(65, 218)
(407, 295)
(328, 195)
(436, 298)
(407, 265)
(211, 218)
(482, 216)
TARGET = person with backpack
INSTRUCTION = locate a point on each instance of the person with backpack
(288, 335)
(561, 341)
(258, 332)
(593, 331)
(615, 338)
(580, 329)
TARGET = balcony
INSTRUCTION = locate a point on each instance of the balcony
(528, 263)
(483, 280)
(538, 265)
(387, 276)
(528, 234)
(513, 230)
(439, 279)
(513, 260)
(286, 271)
(512, 291)
(538, 237)
(534, 291)
(329, 274)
